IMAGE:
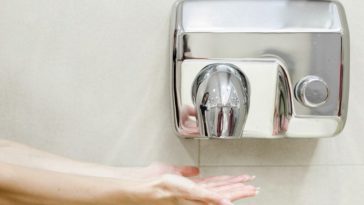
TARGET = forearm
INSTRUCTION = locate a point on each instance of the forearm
(29, 177)
(23, 186)
(18, 154)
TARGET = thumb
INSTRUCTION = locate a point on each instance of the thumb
(187, 171)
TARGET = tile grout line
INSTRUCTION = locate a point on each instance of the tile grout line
(199, 154)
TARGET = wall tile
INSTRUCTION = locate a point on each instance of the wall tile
(89, 80)
(321, 185)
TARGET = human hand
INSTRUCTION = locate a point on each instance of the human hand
(189, 125)
(64, 181)
(221, 190)
(160, 169)
(173, 186)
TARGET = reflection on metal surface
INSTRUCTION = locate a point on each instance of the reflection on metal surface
(220, 93)
(283, 105)
(297, 48)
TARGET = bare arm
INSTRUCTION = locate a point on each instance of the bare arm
(27, 186)
(30, 176)
(21, 185)
(23, 155)
(19, 154)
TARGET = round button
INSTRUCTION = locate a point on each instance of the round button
(312, 91)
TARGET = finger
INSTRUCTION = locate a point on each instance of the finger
(191, 111)
(197, 193)
(227, 188)
(240, 193)
(193, 192)
(190, 202)
(190, 124)
(187, 171)
(232, 180)
(213, 178)
(222, 178)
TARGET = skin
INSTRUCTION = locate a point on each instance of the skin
(29, 176)
(189, 126)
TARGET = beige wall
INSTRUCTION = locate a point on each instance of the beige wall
(90, 80)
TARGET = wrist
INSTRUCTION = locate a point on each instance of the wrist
(146, 192)
(126, 192)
